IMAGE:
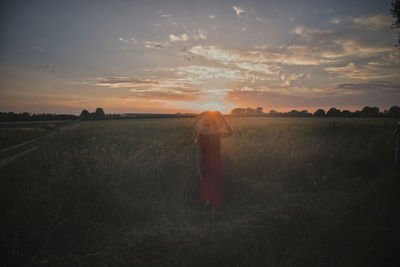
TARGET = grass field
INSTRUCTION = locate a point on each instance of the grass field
(298, 192)
(12, 133)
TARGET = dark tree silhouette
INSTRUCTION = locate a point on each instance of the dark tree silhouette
(259, 111)
(347, 113)
(304, 113)
(25, 116)
(319, 113)
(370, 112)
(84, 115)
(333, 112)
(100, 113)
(238, 112)
(293, 113)
(396, 14)
(251, 112)
(273, 113)
(394, 111)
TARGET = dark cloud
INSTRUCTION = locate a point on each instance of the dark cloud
(377, 86)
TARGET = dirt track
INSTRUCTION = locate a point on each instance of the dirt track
(12, 153)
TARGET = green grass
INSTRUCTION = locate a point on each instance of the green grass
(298, 192)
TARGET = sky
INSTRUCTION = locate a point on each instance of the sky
(188, 56)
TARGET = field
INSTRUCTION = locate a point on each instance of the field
(13, 133)
(298, 192)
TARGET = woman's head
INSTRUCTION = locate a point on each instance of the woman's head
(208, 123)
(209, 119)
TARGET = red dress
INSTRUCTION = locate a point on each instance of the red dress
(211, 178)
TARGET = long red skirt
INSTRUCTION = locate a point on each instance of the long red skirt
(211, 179)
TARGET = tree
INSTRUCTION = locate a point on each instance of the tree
(294, 113)
(319, 113)
(273, 113)
(259, 111)
(238, 111)
(99, 113)
(84, 115)
(394, 111)
(370, 112)
(347, 113)
(251, 112)
(333, 112)
(304, 113)
(396, 14)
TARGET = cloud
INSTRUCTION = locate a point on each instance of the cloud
(239, 10)
(158, 45)
(336, 20)
(197, 35)
(382, 86)
(123, 40)
(309, 33)
(361, 48)
(287, 91)
(333, 45)
(195, 72)
(373, 22)
(264, 20)
(127, 40)
(124, 82)
(211, 16)
(153, 88)
(182, 37)
(280, 70)
(277, 65)
(200, 34)
(363, 72)
(289, 55)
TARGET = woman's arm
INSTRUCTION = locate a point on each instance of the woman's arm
(198, 156)
(229, 131)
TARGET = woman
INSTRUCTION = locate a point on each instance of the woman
(396, 133)
(210, 127)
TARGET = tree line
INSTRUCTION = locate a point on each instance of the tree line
(85, 115)
(26, 116)
(394, 111)
(99, 114)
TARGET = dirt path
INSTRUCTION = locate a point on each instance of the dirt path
(12, 153)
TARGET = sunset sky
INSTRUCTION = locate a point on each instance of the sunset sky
(188, 56)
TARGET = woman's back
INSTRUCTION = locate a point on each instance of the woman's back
(210, 144)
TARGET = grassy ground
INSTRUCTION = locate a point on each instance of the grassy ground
(298, 192)
(13, 133)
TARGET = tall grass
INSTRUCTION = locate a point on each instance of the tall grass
(298, 192)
